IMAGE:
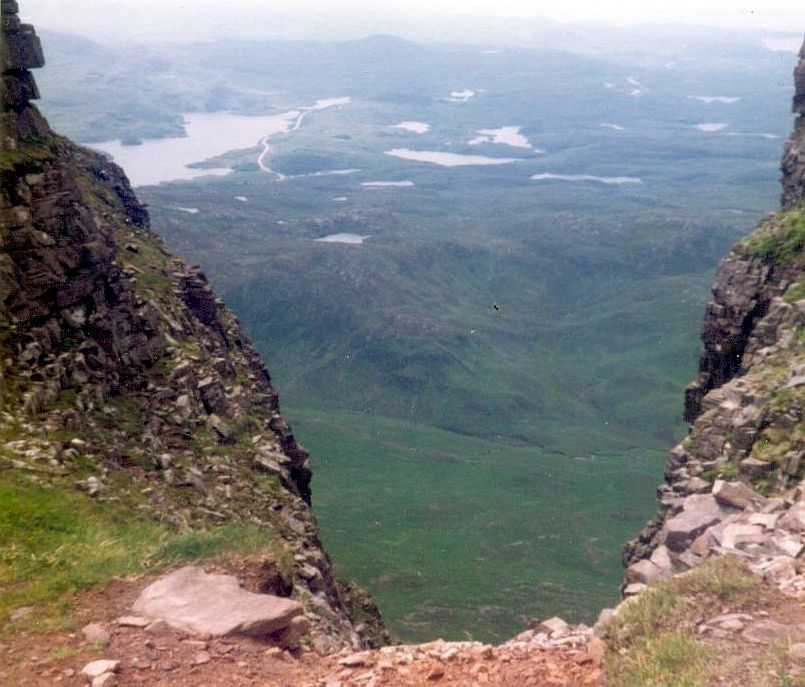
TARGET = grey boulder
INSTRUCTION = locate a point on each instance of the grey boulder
(210, 605)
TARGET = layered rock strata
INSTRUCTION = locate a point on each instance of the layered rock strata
(121, 373)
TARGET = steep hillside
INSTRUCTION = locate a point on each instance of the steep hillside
(132, 402)
(732, 485)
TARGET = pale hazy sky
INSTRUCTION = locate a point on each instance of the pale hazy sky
(201, 17)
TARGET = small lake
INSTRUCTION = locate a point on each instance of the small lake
(351, 239)
(709, 99)
(545, 176)
(387, 184)
(505, 135)
(460, 96)
(412, 127)
(436, 157)
(208, 135)
(711, 127)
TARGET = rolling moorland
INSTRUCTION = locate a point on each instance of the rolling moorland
(487, 453)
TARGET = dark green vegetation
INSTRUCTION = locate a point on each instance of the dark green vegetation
(464, 458)
(461, 537)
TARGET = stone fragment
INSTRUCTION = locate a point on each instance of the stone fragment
(221, 428)
(92, 485)
(695, 485)
(794, 519)
(765, 520)
(201, 658)
(199, 603)
(22, 612)
(778, 570)
(362, 659)
(735, 535)
(698, 513)
(213, 396)
(634, 589)
(158, 628)
(790, 546)
(643, 571)
(96, 668)
(731, 624)
(95, 633)
(661, 557)
(551, 625)
(736, 494)
(105, 680)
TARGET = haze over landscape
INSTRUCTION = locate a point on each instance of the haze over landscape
(588, 191)
(473, 243)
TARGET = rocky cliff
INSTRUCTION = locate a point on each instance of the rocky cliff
(731, 485)
(793, 165)
(124, 377)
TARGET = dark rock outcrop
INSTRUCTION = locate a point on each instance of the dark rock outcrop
(793, 164)
(19, 52)
(743, 293)
(106, 336)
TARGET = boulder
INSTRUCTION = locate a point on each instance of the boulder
(736, 495)
(95, 633)
(634, 588)
(661, 557)
(643, 571)
(794, 519)
(98, 668)
(698, 513)
(736, 536)
(550, 625)
(210, 605)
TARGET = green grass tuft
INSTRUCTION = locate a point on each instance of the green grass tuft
(795, 292)
(780, 239)
(672, 659)
(653, 641)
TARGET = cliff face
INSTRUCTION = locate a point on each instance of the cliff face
(731, 486)
(121, 373)
(793, 164)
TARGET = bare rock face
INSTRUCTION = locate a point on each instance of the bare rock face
(208, 605)
(793, 164)
(743, 294)
(19, 52)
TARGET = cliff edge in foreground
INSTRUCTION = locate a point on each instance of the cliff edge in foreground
(138, 426)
